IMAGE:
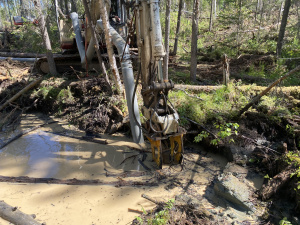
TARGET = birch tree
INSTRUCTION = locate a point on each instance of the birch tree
(94, 36)
(45, 37)
(110, 52)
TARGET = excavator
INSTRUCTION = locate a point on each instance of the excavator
(161, 127)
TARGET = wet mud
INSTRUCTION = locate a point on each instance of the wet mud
(42, 153)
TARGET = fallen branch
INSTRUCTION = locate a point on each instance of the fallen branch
(16, 96)
(15, 216)
(152, 200)
(127, 174)
(22, 55)
(23, 133)
(74, 181)
(135, 210)
(84, 138)
(258, 97)
(192, 121)
(276, 183)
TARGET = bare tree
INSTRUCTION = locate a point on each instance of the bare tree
(285, 15)
(178, 27)
(239, 27)
(195, 17)
(211, 15)
(94, 36)
(279, 15)
(167, 35)
(45, 37)
(108, 41)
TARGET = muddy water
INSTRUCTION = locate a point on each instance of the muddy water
(44, 154)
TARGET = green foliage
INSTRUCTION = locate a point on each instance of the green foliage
(160, 218)
(221, 104)
(284, 221)
(224, 132)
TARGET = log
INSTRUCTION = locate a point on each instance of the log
(276, 183)
(127, 174)
(16, 96)
(74, 181)
(195, 88)
(264, 92)
(23, 133)
(22, 55)
(15, 216)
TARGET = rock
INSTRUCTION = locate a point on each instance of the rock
(233, 190)
(237, 185)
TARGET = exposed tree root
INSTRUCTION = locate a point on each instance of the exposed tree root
(276, 183)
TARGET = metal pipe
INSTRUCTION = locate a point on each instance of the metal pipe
(128, 78)
(79, 40)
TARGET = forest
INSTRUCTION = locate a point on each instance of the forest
(188, 113)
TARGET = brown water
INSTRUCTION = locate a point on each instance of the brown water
(44, 154)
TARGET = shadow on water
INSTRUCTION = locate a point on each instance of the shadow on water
(44, 154)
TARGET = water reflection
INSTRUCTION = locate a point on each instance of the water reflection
(43, 154)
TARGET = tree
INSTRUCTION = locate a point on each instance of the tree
(110, 52)
(45, 37)
(195, 17)
(167, 35)
(178, 27)
(211, 15)
(94, 36)
(285, 15)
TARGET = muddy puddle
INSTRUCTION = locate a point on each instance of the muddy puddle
(44, 154)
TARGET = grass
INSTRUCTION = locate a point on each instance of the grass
(222, 105)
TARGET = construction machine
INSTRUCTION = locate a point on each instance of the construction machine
(162, 121)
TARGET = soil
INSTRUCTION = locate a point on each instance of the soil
(93, 109)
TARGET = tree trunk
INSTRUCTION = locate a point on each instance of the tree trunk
(239, 27)
(264, 92)
(108, 41)
(66, 7)
(285, 15)
(9, 13)
(279, 15)
(45, 38)
(211, 15)
(261, 20)
(94, 36)
(22, 8)
(194, 41)
(256, 10)
(215, 9)
(298, 15)
(167, 36)
(178, 27)
(74, 6)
